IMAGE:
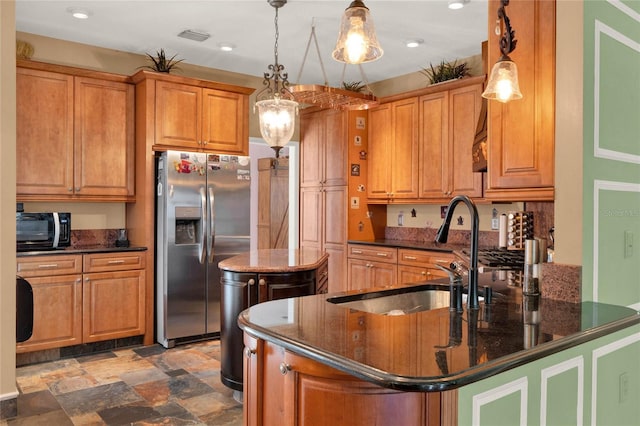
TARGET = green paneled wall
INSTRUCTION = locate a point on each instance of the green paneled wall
(611, 189)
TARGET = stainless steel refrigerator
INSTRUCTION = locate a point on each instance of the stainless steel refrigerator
(202, 217)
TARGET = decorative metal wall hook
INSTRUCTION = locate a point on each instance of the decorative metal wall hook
(507, 41)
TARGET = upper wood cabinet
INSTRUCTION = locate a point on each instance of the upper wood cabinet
(448, 121)
(75, 134)
(187, 113)
(324, 148)
(393, 151)
(521, 133)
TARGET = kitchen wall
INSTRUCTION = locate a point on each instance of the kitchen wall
(8, 391)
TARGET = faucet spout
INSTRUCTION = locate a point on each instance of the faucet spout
(443, 233)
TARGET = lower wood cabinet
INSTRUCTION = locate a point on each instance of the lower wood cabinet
(84, 298)
(285, 388)
(379, 266)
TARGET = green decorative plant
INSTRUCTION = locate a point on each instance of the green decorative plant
(160, 63)
(445, 71)
(353, 86)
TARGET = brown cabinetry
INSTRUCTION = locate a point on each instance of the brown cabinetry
(521, 133)
(448, 121)
(75, 134)
(376, 266)
(419, 265)
(57, 300)
(290, 389)
(113, 296)
(371, 266)
(84, 298)
(194, 114)
(393, 151)
(323, 189)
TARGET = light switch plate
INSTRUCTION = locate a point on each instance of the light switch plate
(355, 202)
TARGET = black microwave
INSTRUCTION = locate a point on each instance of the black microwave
(43, 231)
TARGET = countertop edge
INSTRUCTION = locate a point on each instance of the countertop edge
(439, 383)
(273, 269)
(79, 250)
(408, 244)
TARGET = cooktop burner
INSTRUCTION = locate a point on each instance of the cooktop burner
(500, 258)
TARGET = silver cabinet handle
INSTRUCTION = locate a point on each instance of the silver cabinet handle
(248, 352)
(48, 265)
(284, 368)
(411, 258)
(356, 251)
(382, 254)
(113, 262)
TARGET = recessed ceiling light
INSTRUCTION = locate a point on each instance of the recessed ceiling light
(195, 35)
(414, 43)
(226, 47)
(79, 13)
(457, 4)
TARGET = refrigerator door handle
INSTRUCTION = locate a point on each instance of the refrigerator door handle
(203, 214)
(212, 226)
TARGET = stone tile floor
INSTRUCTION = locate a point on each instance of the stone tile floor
(135, 386)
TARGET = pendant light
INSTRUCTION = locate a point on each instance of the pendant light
(503, 81)
(357, 41)
(275, 104)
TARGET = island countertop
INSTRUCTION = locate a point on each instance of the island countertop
(433, 350)
(274, 260)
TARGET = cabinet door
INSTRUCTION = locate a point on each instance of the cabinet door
(383, 274)
(57, 313)
(380, 163)
(357, 274)
(104, 138)
(44, 133)
(464, 109)
(434, 136)
(224, 121)
(521, 133)
(335, 231)
(412, 274)
(311, 151)
(113, 305)
(404, 151)
(312, 217)
(178, 115)
(335, 148)
(285, 285)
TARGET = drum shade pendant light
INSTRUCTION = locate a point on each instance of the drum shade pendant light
(357, 41)
(503, 81)
(275, 104)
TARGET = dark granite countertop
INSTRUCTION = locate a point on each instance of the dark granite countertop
(275, 260)
(434, 350)
(419, 245)
(79, 250)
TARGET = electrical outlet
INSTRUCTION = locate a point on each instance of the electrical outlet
(495, 224)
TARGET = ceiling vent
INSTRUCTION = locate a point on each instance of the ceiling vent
(194, 35)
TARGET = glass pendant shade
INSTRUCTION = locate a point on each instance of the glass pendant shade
(503, 82)
(357, 41)
(277, 121)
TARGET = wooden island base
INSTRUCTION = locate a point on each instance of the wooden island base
(282, 388)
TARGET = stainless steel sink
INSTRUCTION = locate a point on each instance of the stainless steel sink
(398, 301)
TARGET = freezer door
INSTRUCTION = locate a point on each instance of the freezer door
(228, 192)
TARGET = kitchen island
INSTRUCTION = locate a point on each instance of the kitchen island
(309, 359)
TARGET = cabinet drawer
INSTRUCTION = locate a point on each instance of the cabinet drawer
(373, 253)
(107, 262)
(42, 266)
(424, 257)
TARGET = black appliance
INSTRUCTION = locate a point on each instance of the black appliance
(42, 231)
(24, 310)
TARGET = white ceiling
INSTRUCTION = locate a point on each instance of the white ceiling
(145, 26)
